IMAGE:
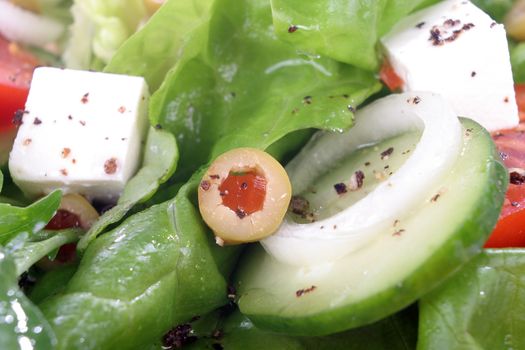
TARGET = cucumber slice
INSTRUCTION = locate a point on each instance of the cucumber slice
(393, 270)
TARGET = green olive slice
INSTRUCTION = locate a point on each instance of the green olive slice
(244, 196)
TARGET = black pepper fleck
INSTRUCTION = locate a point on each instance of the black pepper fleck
(340, 188)
(241, 214)
(18, 117)
(304, 291)
(516, 178)
(178, 336)
(205, 185)
(416, 100)
(386, 153)
(435, 36)
(299, 205)
(398, 232)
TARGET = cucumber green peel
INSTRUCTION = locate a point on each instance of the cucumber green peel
(393, 270)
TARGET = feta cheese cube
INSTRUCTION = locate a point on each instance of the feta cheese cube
(455, 49)
(81, 132)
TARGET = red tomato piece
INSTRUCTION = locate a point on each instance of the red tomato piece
(510, 229)
(16, 70)
(61, 220)
(390, 77)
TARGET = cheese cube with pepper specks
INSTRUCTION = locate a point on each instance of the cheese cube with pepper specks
(81, 132)
(455, 49)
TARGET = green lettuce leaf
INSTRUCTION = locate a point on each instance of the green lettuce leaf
(22, 325)
(497, 9)
(30, 251)
(517, 59)
(153, 50)
(235, 84)
(52, 283)
(481, 307)
(159, 163)
(99, 28)
(29, 220)
(174, 276)
(346, 30)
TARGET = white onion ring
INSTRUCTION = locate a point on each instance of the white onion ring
(26, 27)
(433, 158)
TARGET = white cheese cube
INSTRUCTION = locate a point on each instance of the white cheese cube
(82, 132)
(455, 49)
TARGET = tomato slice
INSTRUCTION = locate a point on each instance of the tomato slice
(61, 220)
(16, 70)
(510, 229)
(390, 77)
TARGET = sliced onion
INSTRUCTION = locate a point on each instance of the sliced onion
(26, 27)
(433, 157)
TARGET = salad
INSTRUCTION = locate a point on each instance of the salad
(371, 238)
